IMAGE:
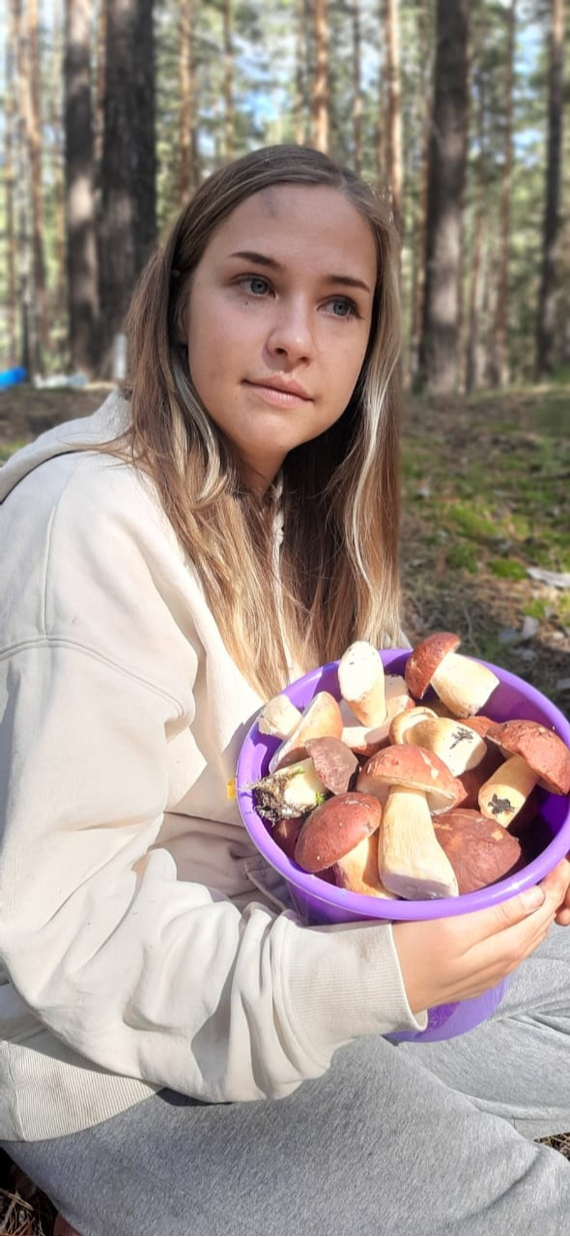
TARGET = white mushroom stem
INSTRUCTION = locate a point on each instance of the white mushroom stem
(358, 870)
(411, 862)
(362, 683)
(505, 792)
(279, 717)
(463, 684)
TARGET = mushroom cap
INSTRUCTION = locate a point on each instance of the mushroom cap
(414, 767)
(544, 751)
(425, 658)
(334, 828)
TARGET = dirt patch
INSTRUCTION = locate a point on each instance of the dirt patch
(26, 412)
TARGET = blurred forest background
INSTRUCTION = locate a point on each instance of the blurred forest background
(115, 110)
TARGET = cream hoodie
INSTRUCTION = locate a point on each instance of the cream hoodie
(143, 940)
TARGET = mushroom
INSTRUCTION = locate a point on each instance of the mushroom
(362, 683)
(480, 851)
(534, 756)
(365, 740)
(409, 765)
(358, 870)
(463, 684)
(334, 762)
(291, 791)
(411, 862)
(406, 720)
(335, 828)
(322, 716)
(279, 717)
(458, 745)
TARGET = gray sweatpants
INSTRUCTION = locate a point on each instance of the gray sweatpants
(414, 1139)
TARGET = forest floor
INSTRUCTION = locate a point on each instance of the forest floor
(485, 553)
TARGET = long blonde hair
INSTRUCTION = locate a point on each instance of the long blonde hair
(335, 578)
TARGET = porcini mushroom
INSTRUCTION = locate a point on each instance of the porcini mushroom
(322, 716)
(480, 850)
(334, 828)
(361, 681)
(358, 870)
(366, 740)
(411, 862)
(293, 790)
(462, 683)
(458, 745)
(534, 756)
(279, 717)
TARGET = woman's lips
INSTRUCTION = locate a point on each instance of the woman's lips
(282, 396)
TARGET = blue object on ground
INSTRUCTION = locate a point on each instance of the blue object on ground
(11, 377)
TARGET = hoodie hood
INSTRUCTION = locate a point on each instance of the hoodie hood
(111, 419)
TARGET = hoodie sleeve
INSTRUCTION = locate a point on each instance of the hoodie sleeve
(106, 659)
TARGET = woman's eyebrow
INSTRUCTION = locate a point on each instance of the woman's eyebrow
(261, 259)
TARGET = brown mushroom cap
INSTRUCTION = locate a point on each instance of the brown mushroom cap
(409, 765)
(425, 659)
(334, 827)
(544, 751)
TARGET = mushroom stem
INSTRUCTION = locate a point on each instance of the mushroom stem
(464, 685)
(411, 862)
(502, 796)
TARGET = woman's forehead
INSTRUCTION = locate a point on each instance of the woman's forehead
(302, 219)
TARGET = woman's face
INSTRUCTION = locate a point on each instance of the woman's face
(278, 319)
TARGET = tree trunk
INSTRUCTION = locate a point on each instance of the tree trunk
(419, 247)
(546, 326)
(320, 96)
(27, 329)
(83, 299)
(499, 360)
(394, 125)
(189, 161)
(57, 114)
(356, 87)
(299, 101)
(473, 350)
(99, 113)
(382, 137)
(128, 169)
(448, 144)
(228, 86)
(10, 183)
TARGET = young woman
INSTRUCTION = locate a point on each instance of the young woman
(180, 1053)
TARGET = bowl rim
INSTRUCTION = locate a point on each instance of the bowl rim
(313, 888)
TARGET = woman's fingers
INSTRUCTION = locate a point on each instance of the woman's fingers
(459, 957)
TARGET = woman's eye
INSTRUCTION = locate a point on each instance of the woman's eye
(342, 307)
(256, 284)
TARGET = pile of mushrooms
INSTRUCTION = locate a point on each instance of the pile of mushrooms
(386, 796)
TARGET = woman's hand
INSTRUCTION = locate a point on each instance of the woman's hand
(446, 960)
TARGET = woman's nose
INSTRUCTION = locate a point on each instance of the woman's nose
(291, 332)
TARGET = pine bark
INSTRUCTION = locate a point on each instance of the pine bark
(499, 359)
(439, 352)
(394, 122)
(10, 182)
(546, 324)
(127, 231)
(356, 87)
(419, 248)
(189, 154)
(28, 349)
(320, 93)
(82, 270)
(228, 83)
(474, 361)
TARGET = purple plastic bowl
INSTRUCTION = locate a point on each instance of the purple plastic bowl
(319, 902)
